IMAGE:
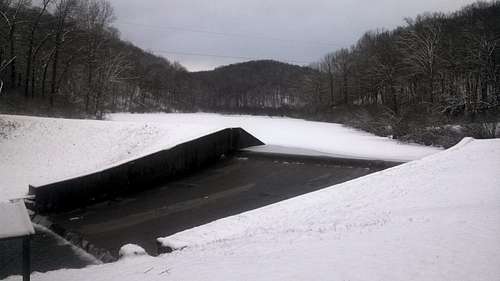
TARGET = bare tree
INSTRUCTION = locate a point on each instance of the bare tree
(111, 71)
(31, 45)
(343, 64)
(420, 45)
(327, 66)
(386, 68)
(12, 21)
(95, 19)
(3, 66)
(483, 78)
(62, 13)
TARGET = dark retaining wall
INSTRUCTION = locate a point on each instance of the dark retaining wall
(141, 173)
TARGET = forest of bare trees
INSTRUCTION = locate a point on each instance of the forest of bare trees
(64, 57)
(448, 61)
(66, 53)
(437, 68)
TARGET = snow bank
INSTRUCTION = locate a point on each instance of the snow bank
(42, 150)
(433, 219)
(171, 244)
(333, 139)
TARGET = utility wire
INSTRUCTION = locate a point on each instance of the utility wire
(226, 34)
(223, 56)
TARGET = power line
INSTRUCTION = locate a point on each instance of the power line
(222, 56)
(227, 34)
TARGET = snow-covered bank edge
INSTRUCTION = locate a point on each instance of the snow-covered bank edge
(209, 233)
(127, 160)
(299, 134)
(77, 249)
(78, 243)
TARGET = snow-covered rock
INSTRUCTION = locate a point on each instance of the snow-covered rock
(131, 250)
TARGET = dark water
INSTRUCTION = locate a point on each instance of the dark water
(47, 253)
(232, 186)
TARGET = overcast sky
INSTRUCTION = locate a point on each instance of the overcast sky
(238, 30)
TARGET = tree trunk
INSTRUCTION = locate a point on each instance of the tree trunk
(44, 79)
(29, 56)
(54, 74)
(89, 86)
(33, 80)
(345, 90)
(394, 100)
(13, 55)
(332, 99)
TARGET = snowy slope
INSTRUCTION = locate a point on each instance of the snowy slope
(330, 138)
(42, 150)
(432, 219)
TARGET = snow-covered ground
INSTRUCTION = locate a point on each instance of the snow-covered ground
(42, 150)
(437, 218)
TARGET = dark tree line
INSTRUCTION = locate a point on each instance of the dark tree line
(445, 63)
(67, 52)
(258, 87)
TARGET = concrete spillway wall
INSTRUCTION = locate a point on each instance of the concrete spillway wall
(140, 173)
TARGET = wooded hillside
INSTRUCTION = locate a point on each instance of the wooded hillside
(437, 68)
(65, 53)
(266, 87)
(65, 57)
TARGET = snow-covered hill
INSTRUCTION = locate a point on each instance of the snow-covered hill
(41, 150)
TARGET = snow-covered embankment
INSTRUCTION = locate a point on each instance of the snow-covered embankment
(432, 219)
